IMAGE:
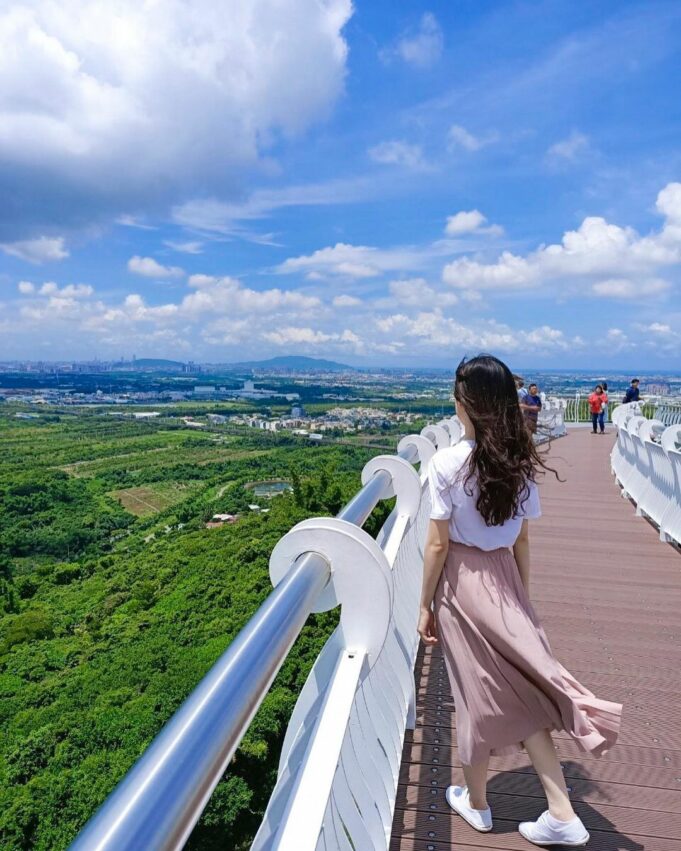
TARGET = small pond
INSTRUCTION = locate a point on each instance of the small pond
(270, 489)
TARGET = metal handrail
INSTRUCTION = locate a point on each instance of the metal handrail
(158, 802)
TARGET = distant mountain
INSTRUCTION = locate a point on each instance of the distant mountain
(294, 363)
(156, 363)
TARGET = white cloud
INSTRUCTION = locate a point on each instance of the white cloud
(623, 288)
(471, 221)
(150, 268)
(351, 261)
(26, 287)
(69, 291)
(617, 340)
(660, 330)
(399, 153)
(188, 247)
(225, 218)
(346, 301)
(293, 335)
(228, 295)
(660, 336)
(122, 105)
(415, 292)
(434, 330)
(458, 136)
(422, 48)
(43, 249)
(314, 339)
(569, 149)
(596, 250)
(669, 203)
(547, 337)
(133, 222)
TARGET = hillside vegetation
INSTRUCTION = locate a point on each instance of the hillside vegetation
(110, 615)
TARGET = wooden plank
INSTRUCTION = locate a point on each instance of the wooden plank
(609, 595)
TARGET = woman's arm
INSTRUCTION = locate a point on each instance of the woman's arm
(521, 552)
(437, 545)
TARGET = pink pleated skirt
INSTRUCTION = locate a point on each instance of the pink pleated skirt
(505, 680)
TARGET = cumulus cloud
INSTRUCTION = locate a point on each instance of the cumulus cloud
(120, 106)
(43, 249)
(150, 268)
(420, 48)
(69, 291)
(416, 292)
(228, 295)
(398, 153)
(660, 336)
(459, 137)
(26, 287)
(310, 339)
(471, 221)
(346, 301)
(597, 253)
(433, 329)
(623, 288)
(350, 261)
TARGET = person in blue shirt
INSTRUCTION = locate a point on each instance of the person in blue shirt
(532, 407)
(632, 394)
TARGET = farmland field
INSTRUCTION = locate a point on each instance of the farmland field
(151, 499)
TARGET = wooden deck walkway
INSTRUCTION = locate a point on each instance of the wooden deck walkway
(609, 595)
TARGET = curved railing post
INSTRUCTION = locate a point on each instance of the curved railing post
(646, 461)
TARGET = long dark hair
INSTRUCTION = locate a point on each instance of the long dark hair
(505, 458)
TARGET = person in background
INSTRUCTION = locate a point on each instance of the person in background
(632, 394)
(520, 387)
(596, 409)
(604, 409)
(523, 393)
(532, 407)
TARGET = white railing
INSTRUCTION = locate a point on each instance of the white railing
(669, 414)
(568, 405)
(550, 423)
(340, 760)
(646, 461)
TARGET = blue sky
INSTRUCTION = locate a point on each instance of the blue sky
(371, 182)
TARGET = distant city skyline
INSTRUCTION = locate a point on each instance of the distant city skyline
(378, 185)
(216, 368)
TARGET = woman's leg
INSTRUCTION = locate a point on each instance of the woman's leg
(476, 781)
(594, 422)
(541, 751)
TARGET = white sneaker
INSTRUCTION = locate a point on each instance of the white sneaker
(549, 831)
(458, 800)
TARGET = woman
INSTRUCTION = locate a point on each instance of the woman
(596, 408)
(509, 690)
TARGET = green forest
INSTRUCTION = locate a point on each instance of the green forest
(115, 599)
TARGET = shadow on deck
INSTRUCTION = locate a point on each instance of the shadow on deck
(609, 595)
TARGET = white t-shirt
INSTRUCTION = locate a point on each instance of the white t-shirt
(449, 501)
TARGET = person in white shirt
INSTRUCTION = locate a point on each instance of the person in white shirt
(509, 690)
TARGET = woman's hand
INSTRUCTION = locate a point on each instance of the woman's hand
(427, 627)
